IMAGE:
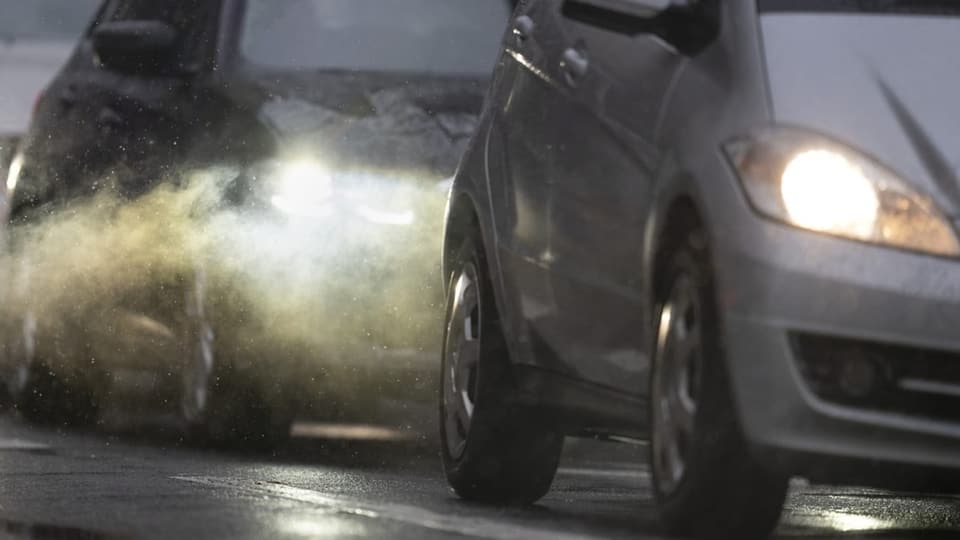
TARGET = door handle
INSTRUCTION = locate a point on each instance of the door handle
(574, 65)
(523, 28)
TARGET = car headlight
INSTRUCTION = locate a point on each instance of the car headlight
(300, 188)
(816, 184)
(13, 173)
(385, 217)
(308, 188)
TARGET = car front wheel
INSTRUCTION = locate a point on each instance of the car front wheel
(705, 480)
(220, 403)
(491, 452)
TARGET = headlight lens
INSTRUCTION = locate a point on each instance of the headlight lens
(309, 189)
(302, 188)
(853, 205)
(816, 184)
(13, 173)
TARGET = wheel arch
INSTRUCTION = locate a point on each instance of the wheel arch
(464, 218)
(681, 215)
(461, 221)
(678, 204)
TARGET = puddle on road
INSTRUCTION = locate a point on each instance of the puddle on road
(16, 530)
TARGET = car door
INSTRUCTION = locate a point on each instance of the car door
(149, 122)
(519, 149)
(613, 82)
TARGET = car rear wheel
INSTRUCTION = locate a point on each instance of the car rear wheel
(220, 403)
(491, 452)
(42, 394)
(705, 480)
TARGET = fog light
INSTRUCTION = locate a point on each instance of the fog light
(858, 376)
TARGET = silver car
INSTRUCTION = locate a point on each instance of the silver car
(36, 38)
(728, 228)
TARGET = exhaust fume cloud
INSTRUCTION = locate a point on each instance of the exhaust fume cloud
(106, 277)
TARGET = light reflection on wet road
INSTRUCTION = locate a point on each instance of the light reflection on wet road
(73, 485)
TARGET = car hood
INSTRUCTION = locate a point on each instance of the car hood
(887, 85)
(26, 67)
(372, 120)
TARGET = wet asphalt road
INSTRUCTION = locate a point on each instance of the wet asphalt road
(124, 484)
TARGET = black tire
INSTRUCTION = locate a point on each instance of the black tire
(44, 395)
(240, 415)
(51, 398)
(234, 409)
(504, 456)
(723, 491)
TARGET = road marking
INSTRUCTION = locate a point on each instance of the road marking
(352, 432)
(479, 527)
(21, 444)
(837, 521)
(604, 473)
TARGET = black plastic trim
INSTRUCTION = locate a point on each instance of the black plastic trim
(578, 407)
(894, 7)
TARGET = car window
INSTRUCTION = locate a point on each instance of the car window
(416, 35)
(44, 19)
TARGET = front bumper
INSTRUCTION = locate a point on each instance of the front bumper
(776, 283)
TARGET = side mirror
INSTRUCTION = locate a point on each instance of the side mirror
(136, 47)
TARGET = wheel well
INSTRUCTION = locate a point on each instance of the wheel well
(462, 221)
(682, 218)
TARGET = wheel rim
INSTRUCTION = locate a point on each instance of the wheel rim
(24, 345)
(200, 352)
(25, 349)
(678, 360)
(462, 354)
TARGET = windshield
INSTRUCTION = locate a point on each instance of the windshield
(45, 19)
(917, 7)
(432, 36)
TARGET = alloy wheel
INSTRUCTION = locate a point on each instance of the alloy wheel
(462, 353)
(676, 384)
(200, 351)
(23, 348)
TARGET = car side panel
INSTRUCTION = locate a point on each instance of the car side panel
(519, 127)
(603, 187)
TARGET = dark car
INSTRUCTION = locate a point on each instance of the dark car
(727, 228)
(36, 38)
(323, 126)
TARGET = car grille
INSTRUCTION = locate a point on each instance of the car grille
(881, 377)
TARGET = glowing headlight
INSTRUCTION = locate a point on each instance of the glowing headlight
(13, 173)
(382, 198)
(852, 205)
(306, 189)
(816, 184)
(302, 188)
(384, 217)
